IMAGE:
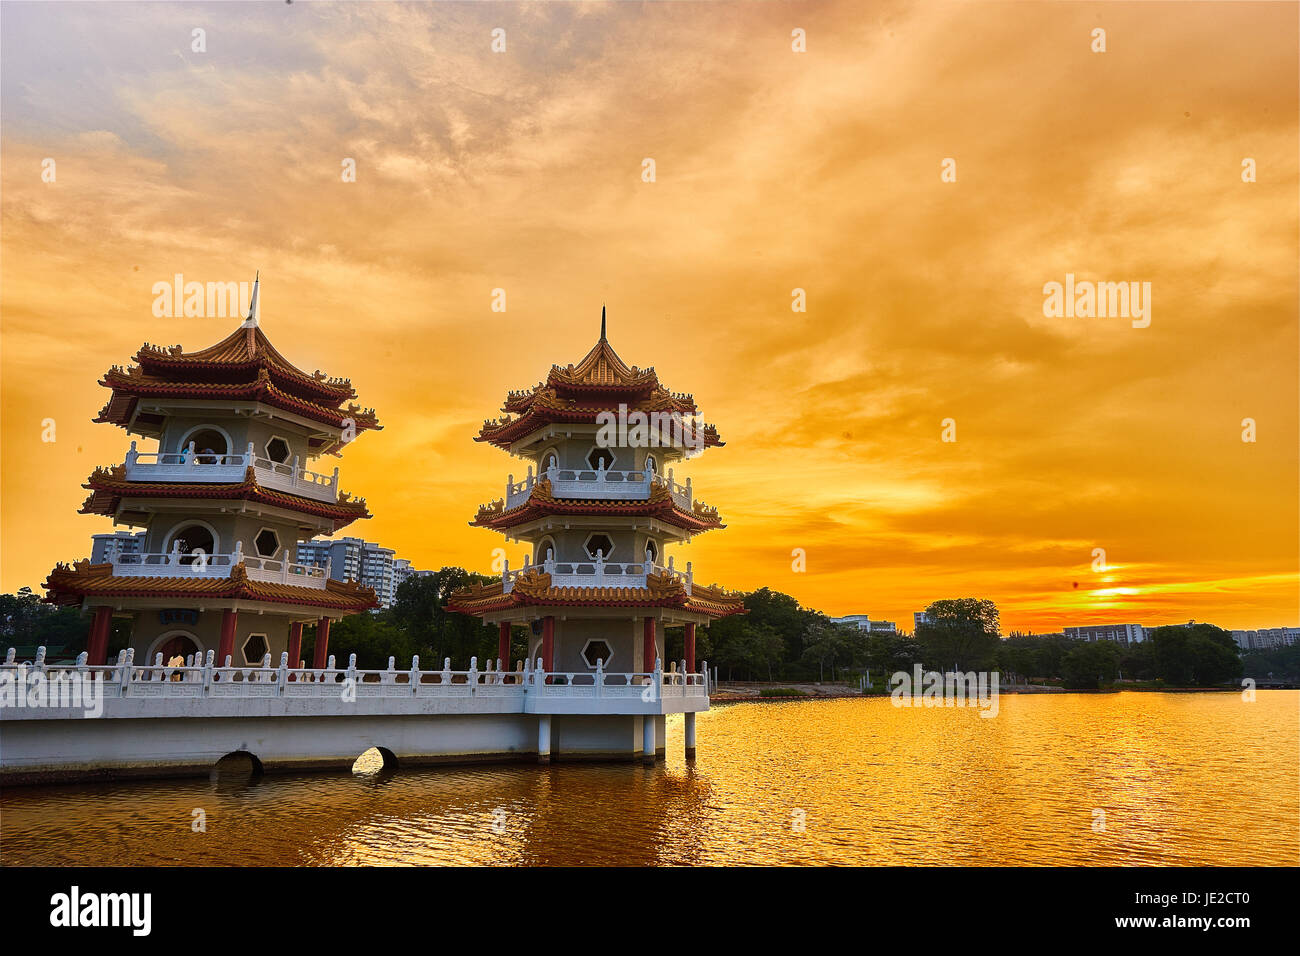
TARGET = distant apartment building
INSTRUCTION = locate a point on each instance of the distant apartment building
(1266, 639)
(354, 559)
(919, 618)
(105, 547)
(1118, 633)
(863, 622)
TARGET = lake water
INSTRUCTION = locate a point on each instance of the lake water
(1182, 779)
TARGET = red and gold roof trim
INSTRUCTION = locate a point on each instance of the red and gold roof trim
(242, 353)
(108, 487)
(131, 385)
(576, 394)
(542, 504)
(533, 588)
(70, 585)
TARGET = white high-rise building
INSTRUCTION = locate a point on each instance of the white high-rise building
(105, 547)
(1268, 638)
(355, 559)
(1119, 633)
(864, 623)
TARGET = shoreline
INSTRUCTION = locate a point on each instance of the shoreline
(1031, 690)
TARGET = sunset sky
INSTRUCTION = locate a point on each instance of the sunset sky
(775, 170)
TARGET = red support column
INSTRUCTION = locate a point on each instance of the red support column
(97, 647)
(295, 644)
(226, 647)
(503, 645)
(322, 643)
(648, 653)
(548, 643)
(690, 648)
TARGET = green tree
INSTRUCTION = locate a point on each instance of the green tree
(26, 623)
(1277, 663)
(1202, 654)
(962, 632)
(420, 609)
(1138, 661)
(1090, 664)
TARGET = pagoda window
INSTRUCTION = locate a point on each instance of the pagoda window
(174, 644)
(277, 449)
(598, 456)
(651, 465)
(191, 538)
(210, 445)
(550, 460)
(545, 548)
(651, 551)
(597, 650)
(267, 543)
(255, 648)
(601, 543)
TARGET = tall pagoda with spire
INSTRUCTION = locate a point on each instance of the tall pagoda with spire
(223, 498)
(599, 509)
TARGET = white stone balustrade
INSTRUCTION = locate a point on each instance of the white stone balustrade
(196, 564)
(598, 573)
(192, 465)
(598, 484)
(155, 690)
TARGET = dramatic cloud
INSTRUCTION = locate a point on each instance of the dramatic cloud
(775, 170)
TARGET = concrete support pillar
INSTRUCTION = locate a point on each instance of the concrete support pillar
(321, 656)
(295, 643)
(690, 648)
(690, 735)
(544, 738)
(226, 646)
(648, 739)
(648, 654)
(503, 644)
(548, 643)
(100, 625)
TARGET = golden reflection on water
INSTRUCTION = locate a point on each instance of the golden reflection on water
(1183, 779)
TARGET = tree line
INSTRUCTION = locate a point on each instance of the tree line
(776, 640)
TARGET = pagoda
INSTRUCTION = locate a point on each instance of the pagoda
(598, 509)
(223, 499)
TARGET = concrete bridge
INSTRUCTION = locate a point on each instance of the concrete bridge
(74, 722)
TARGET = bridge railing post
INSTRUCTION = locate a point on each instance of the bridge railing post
(128, 665)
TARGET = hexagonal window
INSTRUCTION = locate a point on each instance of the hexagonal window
(598, 455)
(600, 543)
(277, 449)
(651, 551)
(597, 651)
(255, 648)
(267, 543)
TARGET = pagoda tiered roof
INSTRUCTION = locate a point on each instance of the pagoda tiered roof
(533, 588)
(240, 355)
(541, 503)
(600, 381)
(70, 584)
(244, 366)
(109, 486)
